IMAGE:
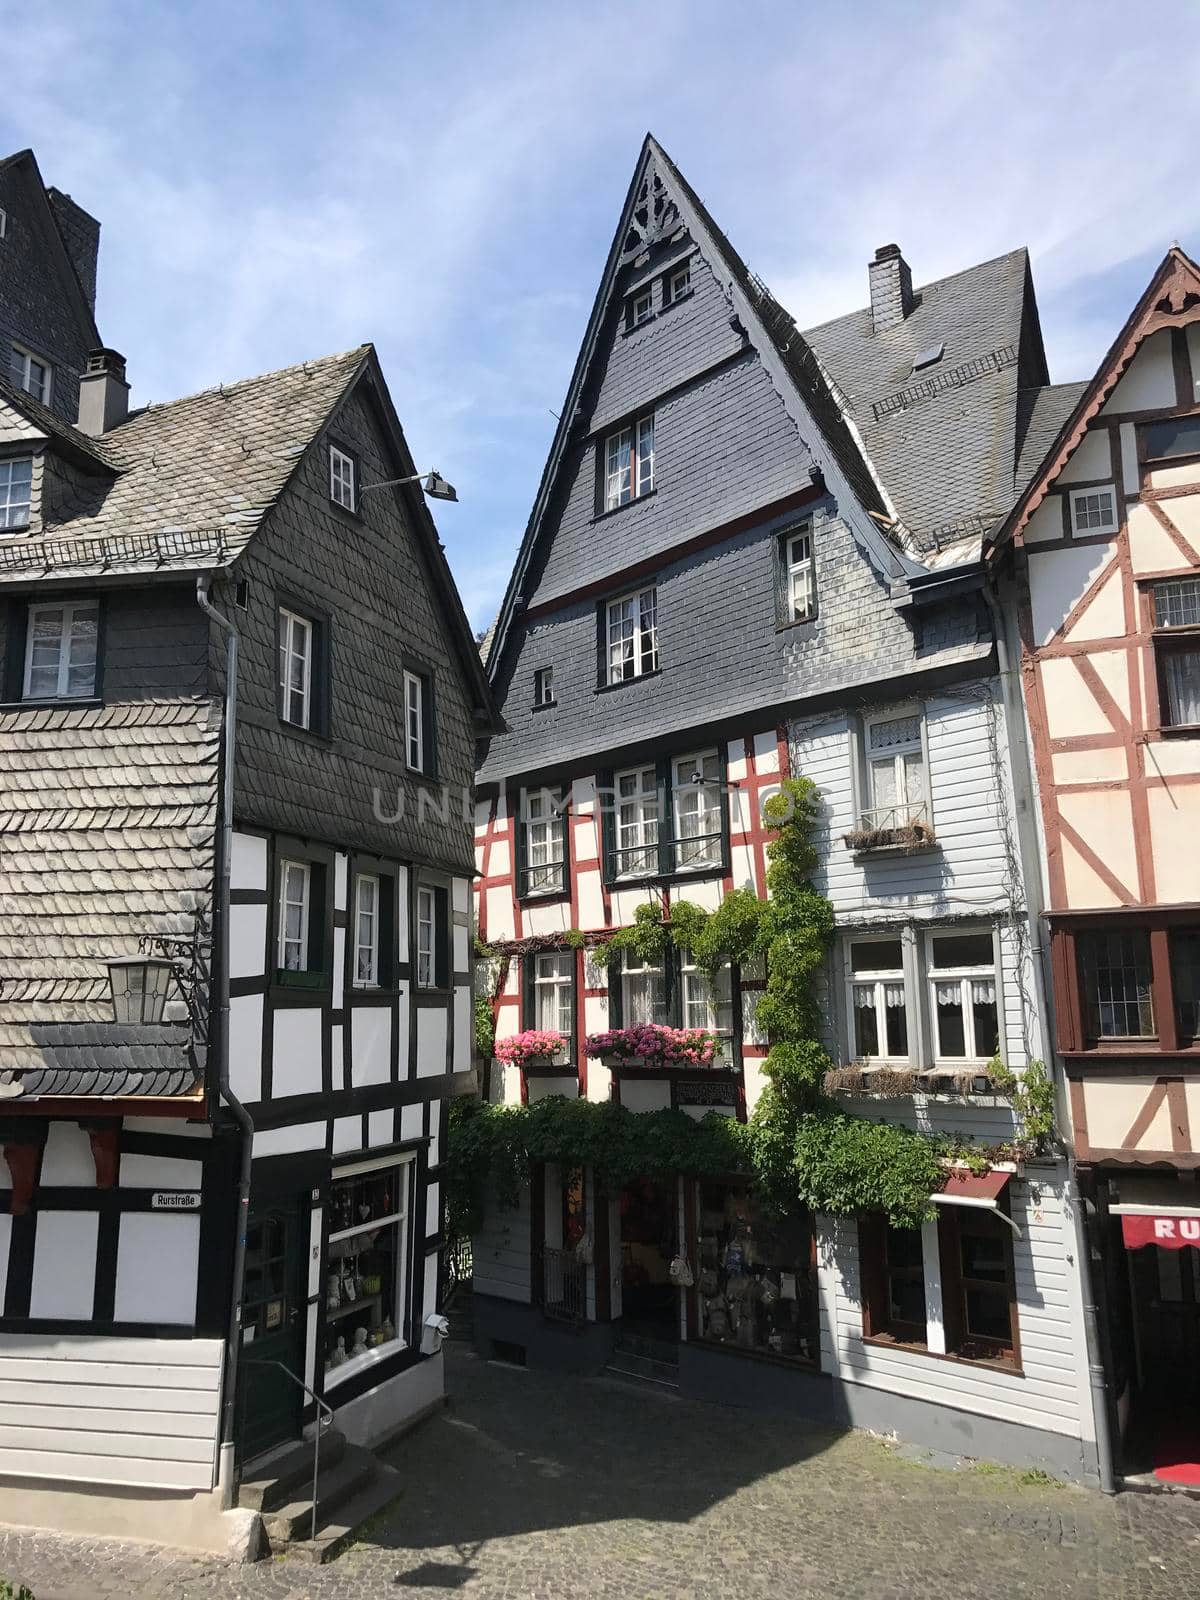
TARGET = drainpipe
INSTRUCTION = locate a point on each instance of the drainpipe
(1018, 760)
(240, 1115)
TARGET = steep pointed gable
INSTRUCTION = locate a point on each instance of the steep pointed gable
(1170, 300)
(659, 208)
(42, 215)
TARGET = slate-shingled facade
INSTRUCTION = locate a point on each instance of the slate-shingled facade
(344, 939)
(802, 584)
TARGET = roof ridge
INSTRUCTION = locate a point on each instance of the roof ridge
(356, 351)
(919, 288)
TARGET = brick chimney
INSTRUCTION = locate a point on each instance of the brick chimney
(891, 287)
(81, 235)
(103, 393)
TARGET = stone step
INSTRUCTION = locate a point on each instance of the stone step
(640, 1344)
(335, 1533)
(643, 1369)
(292, 1522)
(280, 1473)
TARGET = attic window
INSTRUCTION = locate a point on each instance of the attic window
(16, 492)
(641, 307)
(3, 223)
(929, 357)
(343, 479)
(32, 374)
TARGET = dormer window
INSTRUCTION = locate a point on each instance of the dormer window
(16, 492)
(679, 284)
(343, 479)
(629, 463)
(31, 373)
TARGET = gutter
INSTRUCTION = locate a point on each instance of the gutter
(1019, 763)
(241, 1116)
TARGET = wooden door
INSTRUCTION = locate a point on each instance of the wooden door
(273, 1326)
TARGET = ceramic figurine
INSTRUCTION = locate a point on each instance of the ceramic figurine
(339, 1356)
(360, 1341)
(389, 1330)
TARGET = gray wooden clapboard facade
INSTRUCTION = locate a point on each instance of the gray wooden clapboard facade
(805, 512)
(344, 940)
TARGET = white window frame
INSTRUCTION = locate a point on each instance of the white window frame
(427, 937)
(1092, 490)
(681, 276)
(296, 640)
(554, 992)
(636, 823)
(370, 945)
(303, 869)
(878, 982)
(635, 970)
(24, 360)
(965, 976)
(544, 836)
(543, 686)
(68, 616)
(800, 574)
(628, 463)
(707, 1002)
(631, 634)
(399, 1220)
(3, 223)
(642, 298)
(414, 721)
(343, 479)
(707, 844)
(7, 503)
(900, 812)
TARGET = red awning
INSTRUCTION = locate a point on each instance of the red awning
(981, 1190)
(1168, 1233)
(1159, 1211)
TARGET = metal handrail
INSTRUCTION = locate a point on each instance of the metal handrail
(895, 816)
(326, 1421)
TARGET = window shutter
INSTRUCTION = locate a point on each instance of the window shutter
(602, 643)
(872, 1255)
(725, 801)
(320, 956)
(429, 756)
(563, 827)
(782, 613)
(666, 817)
(522, 844)
(606, 801)
(441, 949)
(322, 668)
(951, 1265)
(528, 963)
(673, 985)
(387, 933)
(16, 629)
(616, 1010)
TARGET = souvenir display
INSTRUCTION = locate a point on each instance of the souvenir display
(756, 1284)
(365, 1235)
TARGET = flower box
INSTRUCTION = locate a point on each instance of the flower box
(532, 1048)
(650, 1044)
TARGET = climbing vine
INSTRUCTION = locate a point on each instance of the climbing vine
(800, 1146)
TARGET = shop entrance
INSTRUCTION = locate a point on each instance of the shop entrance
(649, 1242)
(273, 1326)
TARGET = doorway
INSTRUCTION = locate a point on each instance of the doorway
(1163, 1437)
(649, 1214)
(273, 1326)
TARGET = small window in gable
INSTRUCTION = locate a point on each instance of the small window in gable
(31, 373)
(296, 662)
(3, 223)
(1094, 510)
(629, 463)
(343, 479)
(679, 284)
(418, 721)
(641, 307)
(632, 636)
(797, 576)
(543, 686)
(16, 493)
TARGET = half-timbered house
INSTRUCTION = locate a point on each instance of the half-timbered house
(756, 553)
(1099, 567)
(236, 744)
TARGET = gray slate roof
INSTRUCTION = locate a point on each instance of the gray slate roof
(107, 830)
(85, 1060)
(943, 439)
(194, 476)
(1041, 414)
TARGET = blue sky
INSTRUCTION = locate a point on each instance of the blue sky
(275, 182)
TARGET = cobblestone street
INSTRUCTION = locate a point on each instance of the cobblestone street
(548, 1488)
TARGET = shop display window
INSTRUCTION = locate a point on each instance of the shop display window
(756, 1284)
(365, 1265)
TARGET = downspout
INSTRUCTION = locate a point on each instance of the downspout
(241, 1116)
(1019, 763)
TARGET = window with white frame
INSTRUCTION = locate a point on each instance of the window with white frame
(544, 824)
(416, 732)
(679, 283)
(878, 1009)
(295, 908)
(641, 307)
(366, 930)
(3, 224)
(697, 800)
(643, 990)
(296, 635)
(706, 1000)
(896, 791)
(366, 1265)
(962, 995)
(629, 463)
(427, 938)
(552, 992)
(343, 479)
(60, 652)
(543, 686)
(632, 632)
(1094, 510)
(16, 492)
(1177, 650)
(31, 373)
(800, 575)
(635, 807)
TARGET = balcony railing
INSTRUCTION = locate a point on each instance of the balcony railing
(564, 1285)
(903, 827)
(651, 859)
